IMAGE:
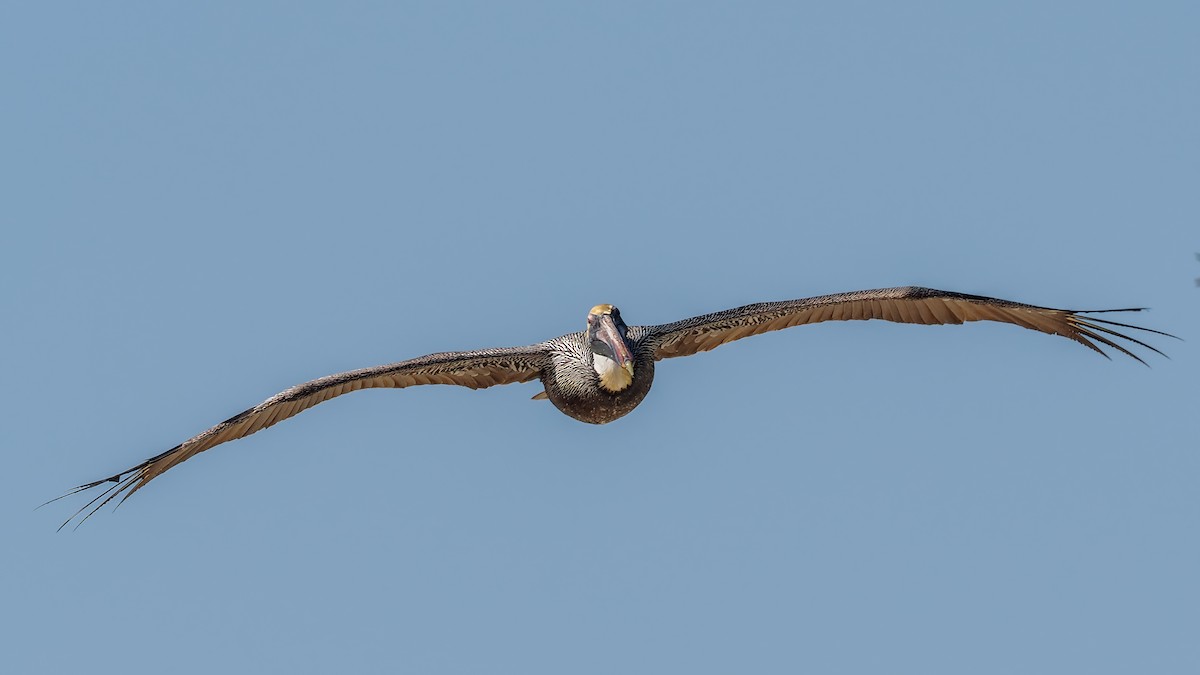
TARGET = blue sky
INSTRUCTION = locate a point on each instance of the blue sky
(205, 204)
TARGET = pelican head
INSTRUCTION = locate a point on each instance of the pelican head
(611, 357)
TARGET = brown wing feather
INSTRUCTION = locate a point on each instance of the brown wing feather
(909, 304)
(477, 370)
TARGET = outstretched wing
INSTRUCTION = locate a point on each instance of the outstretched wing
(909, 304)
(477, 370)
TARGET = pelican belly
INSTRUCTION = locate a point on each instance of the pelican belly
(579, 394)
(599, 407)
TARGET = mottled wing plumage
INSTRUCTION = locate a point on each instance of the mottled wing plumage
(903, 305)
(477, 370)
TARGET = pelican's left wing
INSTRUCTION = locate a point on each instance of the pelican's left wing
(909, 304)
(476, 369)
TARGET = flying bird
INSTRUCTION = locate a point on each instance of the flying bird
(604, 371)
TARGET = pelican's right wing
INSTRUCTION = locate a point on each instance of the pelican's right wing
(476, 369)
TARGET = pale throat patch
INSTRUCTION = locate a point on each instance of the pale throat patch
(613, 377)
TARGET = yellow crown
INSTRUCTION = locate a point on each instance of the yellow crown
(602, 309)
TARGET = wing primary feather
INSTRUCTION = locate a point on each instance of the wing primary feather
(1103, 340)
(1094, 327)
(106, 496)
(1125, 325)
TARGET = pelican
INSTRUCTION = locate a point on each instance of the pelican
(603, 372)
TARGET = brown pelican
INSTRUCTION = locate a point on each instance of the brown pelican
(603, 372)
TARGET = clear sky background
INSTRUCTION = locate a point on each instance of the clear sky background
(205, 203)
